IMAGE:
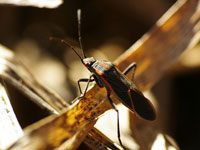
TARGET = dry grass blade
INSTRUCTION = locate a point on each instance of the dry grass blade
(10, 76)
(64, 131)
(35, 3)
(18, 75)
(96, 140)
(159, 48)
(9, 128)
(153, 57)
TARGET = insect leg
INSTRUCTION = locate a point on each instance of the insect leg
(131, 66)
(89, 80)
(84, 80)
(118, 127)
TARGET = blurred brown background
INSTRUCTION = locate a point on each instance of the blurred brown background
(108, 29)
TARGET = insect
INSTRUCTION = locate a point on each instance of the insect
(105, 74)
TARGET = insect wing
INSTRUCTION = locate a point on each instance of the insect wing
(143, 107)
(128, 93)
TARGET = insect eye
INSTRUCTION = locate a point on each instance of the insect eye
(86, 64)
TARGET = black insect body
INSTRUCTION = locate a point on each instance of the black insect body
(107, 75)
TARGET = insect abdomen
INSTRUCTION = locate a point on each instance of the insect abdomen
(128, 93)
(143, 107)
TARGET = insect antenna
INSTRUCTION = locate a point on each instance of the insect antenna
(79, 31)
(63, 41)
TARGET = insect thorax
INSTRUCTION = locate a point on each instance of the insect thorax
(102, 66)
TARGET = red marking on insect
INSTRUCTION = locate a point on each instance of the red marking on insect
(104, 65)
(98, 72)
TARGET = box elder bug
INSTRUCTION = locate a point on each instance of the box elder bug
(105, 74)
